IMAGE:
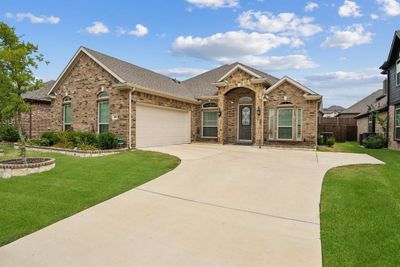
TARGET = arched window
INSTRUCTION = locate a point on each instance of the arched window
(209, 120)
(210, 105)
(286, 103)
(245, 99)
(103, 107)
(103, 95)
(67, 113)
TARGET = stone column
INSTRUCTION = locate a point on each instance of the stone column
(221, 108)
(259, 120)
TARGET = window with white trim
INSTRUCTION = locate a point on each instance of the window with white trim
(67, 113)
(103, 107)
(285, 123)
(209, 120)
(398, 72)
(299, 124)
(271, 124)
(397, 125)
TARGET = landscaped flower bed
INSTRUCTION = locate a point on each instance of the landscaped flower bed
(81, 144)
(15, 167)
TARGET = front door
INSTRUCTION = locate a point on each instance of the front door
(245, 122)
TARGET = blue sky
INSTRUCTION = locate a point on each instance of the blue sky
(334, 47)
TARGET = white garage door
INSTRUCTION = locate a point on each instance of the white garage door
(157, 126)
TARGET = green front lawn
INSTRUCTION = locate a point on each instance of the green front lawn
(360, 211)
(32, 202)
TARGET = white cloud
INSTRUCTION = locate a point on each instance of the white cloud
(311, 6)
(182, 72)
(374, 16)
(214, 3)
(348, 37)
(285, 23)
(248, 48)
(389, 7)
(32, 18)
(139, 31)
(276, 63)
(345, 88)
(349, 9)
(97, 28)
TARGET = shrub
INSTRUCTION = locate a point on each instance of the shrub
(320, 140)
(108, 140)
(50, 138)
(88, 138)
(377, 141)
(9, 133)
(72, 137)
(87, 147)
(40, 142)
(330, 141)
(64, 144)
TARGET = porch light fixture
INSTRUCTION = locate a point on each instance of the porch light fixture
(258, 111)
(219, 112)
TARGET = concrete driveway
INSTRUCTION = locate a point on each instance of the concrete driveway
(223, 206)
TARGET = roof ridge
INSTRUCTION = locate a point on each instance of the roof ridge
(134, 65)
(205, 73)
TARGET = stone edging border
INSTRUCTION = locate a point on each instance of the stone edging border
(10, 170)
(75, 152)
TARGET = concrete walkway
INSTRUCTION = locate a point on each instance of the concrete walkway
(223, 206)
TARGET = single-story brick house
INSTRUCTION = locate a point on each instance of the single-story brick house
(232, 104)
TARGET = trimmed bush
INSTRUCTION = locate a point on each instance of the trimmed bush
(88, 138)
(72, 137)
(108, 140)
(377, 141)
(50, 138)
(330, 141)
(320, 140)
(9, 133)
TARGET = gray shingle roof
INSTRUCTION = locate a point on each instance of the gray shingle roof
(40, 94)
(362, 105)
(193, 88)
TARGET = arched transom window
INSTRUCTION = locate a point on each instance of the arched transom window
(245, 99)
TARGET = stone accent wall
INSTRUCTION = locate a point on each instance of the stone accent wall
(83, 83)
(231, 113)
(295, 96)
(392, 143)
(239, 79)
(38, 120)
(166, 102)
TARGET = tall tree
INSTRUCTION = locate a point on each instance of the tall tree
(18, 59)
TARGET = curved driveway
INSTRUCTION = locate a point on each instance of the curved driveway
(223, 206)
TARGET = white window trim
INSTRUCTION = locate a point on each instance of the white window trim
(277, 125)
(271, 128)
(64, 123)
(301, 124)
(98, 115)
(397, 71)
(202, 124)
(395, 122)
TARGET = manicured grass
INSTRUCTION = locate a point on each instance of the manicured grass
(360, 211)
(32, 202)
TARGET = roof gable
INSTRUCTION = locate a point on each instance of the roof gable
(72, 62)
(237, 67)
(363, 104)
(293, 82)
(394, 47)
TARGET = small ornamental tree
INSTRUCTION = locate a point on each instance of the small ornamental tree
(18, 59)
(382, 121)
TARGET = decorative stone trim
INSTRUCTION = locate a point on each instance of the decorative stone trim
(8, 170)
(76, 152)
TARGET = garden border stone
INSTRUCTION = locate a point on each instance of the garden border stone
(76, 152)
(8, 170)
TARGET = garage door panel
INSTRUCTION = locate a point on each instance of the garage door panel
(159, 126)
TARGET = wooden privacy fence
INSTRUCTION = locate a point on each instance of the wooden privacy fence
(343, 129)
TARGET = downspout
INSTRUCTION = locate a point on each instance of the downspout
(262, 120)
(130, 120)
(316, 122)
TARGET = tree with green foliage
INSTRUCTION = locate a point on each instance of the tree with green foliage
(18, 59)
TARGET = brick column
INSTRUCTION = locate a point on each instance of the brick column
(221, 108)
(259, 121)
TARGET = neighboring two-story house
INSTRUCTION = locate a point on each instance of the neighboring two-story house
(391, 68)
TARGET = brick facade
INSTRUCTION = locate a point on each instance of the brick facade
(86, 79)
(362, 125)
(392, 143)
(38, 120)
